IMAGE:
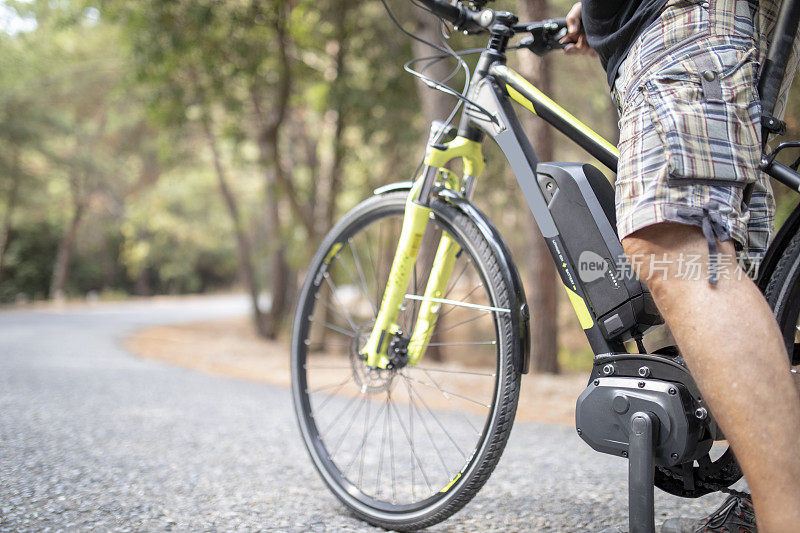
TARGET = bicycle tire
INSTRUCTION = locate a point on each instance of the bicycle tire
(783, 293)
(498, 424)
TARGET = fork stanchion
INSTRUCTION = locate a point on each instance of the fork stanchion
(641, 471)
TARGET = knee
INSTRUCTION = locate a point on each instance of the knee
(654, 253)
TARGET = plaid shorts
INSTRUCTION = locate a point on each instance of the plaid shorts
(690, 122)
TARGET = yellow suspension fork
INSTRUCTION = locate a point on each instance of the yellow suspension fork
(415, 222)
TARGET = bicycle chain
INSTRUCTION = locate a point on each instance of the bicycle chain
(700, 483)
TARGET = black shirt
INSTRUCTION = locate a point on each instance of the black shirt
(613, 25)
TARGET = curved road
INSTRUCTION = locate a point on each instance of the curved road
(92, 437)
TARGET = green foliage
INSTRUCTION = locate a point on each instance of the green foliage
(177, 234)
(29, 261)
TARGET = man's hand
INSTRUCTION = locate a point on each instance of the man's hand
(576, 38)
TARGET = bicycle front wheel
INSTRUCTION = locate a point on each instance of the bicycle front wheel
(407, 447)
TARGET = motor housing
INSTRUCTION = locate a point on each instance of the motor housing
(604, 410)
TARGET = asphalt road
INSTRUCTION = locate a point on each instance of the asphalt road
(92, 437)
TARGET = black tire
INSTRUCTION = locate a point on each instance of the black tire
(783, 295)
(375, 506)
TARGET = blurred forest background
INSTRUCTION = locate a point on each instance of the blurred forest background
(186, 146)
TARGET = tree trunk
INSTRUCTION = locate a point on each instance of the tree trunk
(64, 253)
(11, 204)
(269, 128)
(542, 290)
(243, 245)
(142, 287)
(280, 271)
(435, 104)
(339, 93)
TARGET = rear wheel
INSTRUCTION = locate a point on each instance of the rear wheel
(403, 448)
(783, 295)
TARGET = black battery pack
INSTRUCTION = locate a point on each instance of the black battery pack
(581, 202)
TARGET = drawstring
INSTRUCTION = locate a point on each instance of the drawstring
(713, 229)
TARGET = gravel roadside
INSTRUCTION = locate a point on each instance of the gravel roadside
(92, 437)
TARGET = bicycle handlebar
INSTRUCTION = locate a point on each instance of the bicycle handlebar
(545, 36)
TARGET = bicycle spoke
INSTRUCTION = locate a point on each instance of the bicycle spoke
(466, 343)
(450, 401)
(364, 289)
(327, 367)
(467, 296)
(449, 328)
(367, 428)
(413, 451)
(328, 306)
(414, 306)
(332, 395)
(378, 272)
(436, 418)
(374, 267)
(336, 418)
(380, 455)
(349, 425)
(425, 426)
(391, 448)
(326, 343)
(449, 393)
(411, 432)
(363, 447)
(335, 297)
(455, 282)
(340, 261)
(428, 369)
(334, 328)
(326, 387)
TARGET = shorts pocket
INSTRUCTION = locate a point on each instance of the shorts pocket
(710, 128)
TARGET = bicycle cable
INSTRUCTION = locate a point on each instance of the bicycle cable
(440, 85)
(446, 52)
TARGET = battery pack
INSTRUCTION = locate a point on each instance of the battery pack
(581, 202)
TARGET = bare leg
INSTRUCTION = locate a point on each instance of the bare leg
(732, 344)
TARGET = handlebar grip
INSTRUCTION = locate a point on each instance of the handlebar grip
(444, 9)
(461, 17)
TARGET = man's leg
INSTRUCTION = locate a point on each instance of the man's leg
(731, 342)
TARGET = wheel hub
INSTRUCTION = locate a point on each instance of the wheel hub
(372, 380)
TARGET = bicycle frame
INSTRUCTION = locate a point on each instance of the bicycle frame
(493, 87)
